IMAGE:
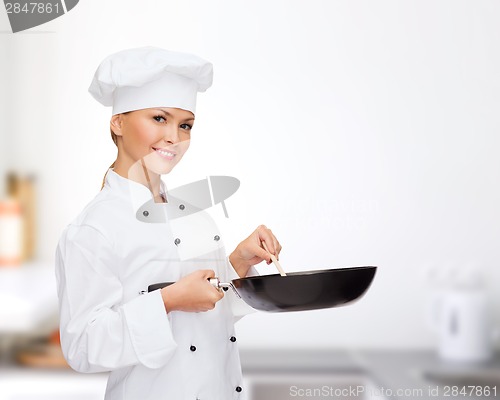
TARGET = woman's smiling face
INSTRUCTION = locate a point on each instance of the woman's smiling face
(159, 136)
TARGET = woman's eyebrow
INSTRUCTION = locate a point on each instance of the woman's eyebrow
(170, 115)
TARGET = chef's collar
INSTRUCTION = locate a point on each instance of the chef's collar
(137, 193)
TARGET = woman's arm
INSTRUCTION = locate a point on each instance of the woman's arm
(98, 333)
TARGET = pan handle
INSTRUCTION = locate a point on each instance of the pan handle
(216, 283)
(157, 286)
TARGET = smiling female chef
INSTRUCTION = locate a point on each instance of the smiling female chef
(174, 343)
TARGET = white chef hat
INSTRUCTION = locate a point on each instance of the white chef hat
(148, 77)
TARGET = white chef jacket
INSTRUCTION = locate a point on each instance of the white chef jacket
(104, 260)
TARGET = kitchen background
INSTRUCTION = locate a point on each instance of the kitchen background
(363, 133)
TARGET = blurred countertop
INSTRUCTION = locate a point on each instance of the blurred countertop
(394, 373)
(388, 370)
(427, 376)
(296, 360)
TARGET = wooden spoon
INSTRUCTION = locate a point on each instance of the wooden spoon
(274, 260)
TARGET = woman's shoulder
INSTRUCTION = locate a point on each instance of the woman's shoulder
(105, 211)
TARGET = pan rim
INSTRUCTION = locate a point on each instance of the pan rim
(309, 272)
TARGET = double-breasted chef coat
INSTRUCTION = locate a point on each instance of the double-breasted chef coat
(105, 261)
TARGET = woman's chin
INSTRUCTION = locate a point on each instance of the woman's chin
(161, 168)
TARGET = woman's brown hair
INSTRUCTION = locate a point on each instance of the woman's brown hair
(114, 138)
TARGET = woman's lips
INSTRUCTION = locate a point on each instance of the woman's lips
(166, 154)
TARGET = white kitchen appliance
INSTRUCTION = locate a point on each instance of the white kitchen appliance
(461, 317)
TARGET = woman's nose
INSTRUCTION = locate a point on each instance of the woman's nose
(171, 136)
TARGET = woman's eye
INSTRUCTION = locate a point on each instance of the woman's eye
(186, 127)
(159, 118)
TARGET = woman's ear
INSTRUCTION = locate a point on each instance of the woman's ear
(116, 124)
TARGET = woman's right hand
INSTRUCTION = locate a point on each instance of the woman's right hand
(192, 293)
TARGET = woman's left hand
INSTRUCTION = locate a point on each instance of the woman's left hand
(250, 251)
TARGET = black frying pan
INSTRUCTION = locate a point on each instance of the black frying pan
(299, 291)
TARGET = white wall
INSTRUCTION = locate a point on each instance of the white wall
(362, 132)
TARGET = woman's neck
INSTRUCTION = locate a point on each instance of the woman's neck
(139, 173)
